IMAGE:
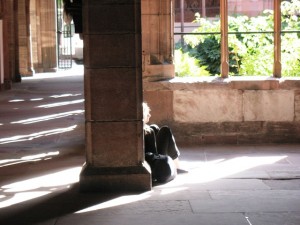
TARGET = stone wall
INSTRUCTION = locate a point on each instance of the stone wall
(227, 111)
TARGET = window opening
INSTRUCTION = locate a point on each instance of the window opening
(262, 37)
(197, 38)
(290, 38)
(251, 37)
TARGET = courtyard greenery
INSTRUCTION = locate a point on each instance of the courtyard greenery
(250, 42)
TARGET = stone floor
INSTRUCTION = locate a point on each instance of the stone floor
(42, 151)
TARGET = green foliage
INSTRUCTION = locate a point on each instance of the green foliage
(208, 54)
(250, 53)
(290, 56)
(188, 66)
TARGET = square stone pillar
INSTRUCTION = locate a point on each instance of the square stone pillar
(113, 97)
(24, 38)
(46, 38)
(158, 39)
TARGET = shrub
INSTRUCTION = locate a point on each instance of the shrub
(188, 66)
(250, 53)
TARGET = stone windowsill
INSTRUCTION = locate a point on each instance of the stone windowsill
(239, 83)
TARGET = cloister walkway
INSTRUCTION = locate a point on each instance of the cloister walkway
(42, 151)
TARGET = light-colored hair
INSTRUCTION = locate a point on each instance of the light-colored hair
(146, 110)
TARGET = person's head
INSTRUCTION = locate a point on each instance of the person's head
(146, 112)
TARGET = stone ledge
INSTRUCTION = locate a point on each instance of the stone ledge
(158, 72)
(239, 83)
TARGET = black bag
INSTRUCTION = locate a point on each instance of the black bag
(162, 167)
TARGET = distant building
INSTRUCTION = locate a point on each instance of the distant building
(211, 8)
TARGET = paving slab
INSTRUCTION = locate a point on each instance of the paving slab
(152, 219)
(289, 218)
(285, 184)
(249, 201)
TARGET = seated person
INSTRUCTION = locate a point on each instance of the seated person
(160, 142)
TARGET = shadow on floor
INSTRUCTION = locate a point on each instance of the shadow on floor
(50, 191)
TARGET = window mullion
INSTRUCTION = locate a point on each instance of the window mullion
(224, 38)
(277, 39)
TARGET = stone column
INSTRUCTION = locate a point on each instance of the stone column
(158, 39)
(1, 45)
(47, 35)
(25, 64)
(113, 95)
(35, 35)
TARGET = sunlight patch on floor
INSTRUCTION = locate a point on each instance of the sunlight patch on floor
(211, 171)
(32, 136)
(29, 158)
(123, 200)
(32, 188)
(48, 117)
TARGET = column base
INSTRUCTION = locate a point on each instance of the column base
(135, 178)
(158, 72)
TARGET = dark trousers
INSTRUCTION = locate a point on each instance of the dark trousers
(161, 141)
